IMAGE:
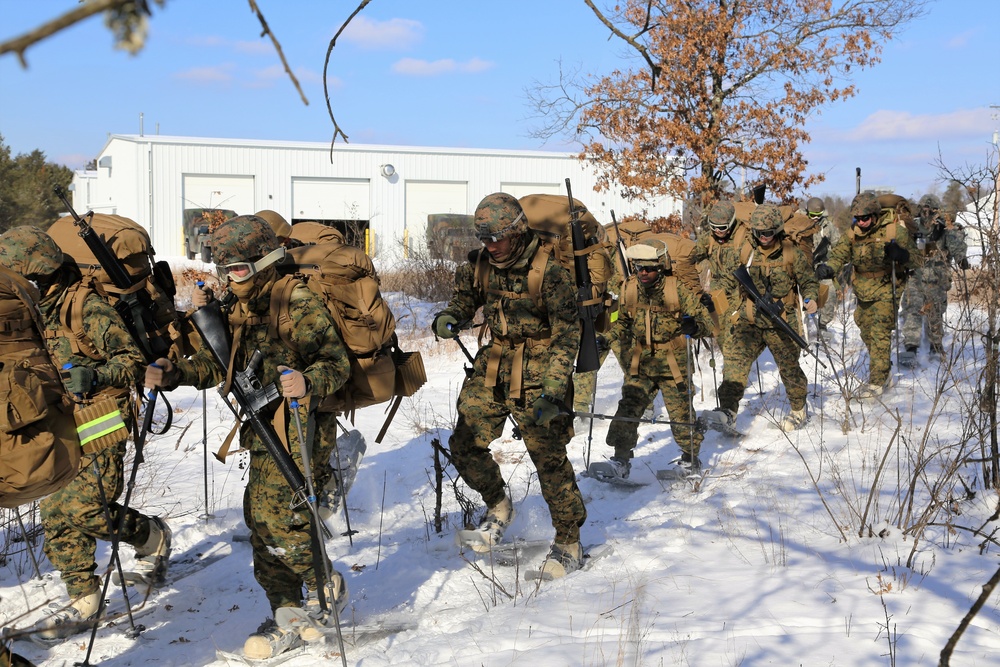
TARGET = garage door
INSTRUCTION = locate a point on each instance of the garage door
(230, 192)
(331, 198)
(425, 198)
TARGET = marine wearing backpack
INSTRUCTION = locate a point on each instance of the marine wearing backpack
(39, 448)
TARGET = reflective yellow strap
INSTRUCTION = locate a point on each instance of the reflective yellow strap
(102, 425)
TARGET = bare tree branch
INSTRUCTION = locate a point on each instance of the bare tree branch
(277, 47)
(20, 44)
(326, 67)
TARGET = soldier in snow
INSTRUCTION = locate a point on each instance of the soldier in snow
(524, 370)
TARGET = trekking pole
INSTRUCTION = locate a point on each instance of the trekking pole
(690, 391)
(30, 548)
(895, 307)
(319, 549)
(715, 379)
(343, 491)
(590, 428)
(204, 446)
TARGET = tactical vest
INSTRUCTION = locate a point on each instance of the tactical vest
(672, 305)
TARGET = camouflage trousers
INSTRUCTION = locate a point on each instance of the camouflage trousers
(829, 309)
(637, 394)
(74, 518)
(745, 344)
(281, 538)
(877, 319)
(482, 412)
(924, 302)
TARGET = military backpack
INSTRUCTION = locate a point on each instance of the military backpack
(39, 448)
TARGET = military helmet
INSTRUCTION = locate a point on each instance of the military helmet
(722, 216)
(498, 216)
(245, 241)
(649, 252)
(865, 203)
(766, 218)
(30, 252)
(931, 202)
(815, 207)
(278, 224)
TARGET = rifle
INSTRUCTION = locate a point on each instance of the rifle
(626, 273)
(251, 395)
(857, 180)
(590, 307)
(767, 307)
(135, 307)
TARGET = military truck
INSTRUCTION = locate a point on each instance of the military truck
(199, 223)
(451, 236)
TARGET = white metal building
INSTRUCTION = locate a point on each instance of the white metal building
(386, 190)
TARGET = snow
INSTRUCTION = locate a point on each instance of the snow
(762, 562)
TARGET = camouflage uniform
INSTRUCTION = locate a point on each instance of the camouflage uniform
(723, 255)
(781, 271)
(280, 537)
(872, 281)
(926, 296)
(656, 356)
(542, 340)
(824, 239)
(74, 517)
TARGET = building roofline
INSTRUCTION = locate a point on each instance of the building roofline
(338, 147)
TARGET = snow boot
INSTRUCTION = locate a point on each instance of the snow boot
(319, 621)
(686, 466)
(276, 635)
(794, 420)
(870, 391)
(70, 620)
(616, 467)
(153, 556)
(908, 358)
(720, 420)
(563, 559)
(498, 518)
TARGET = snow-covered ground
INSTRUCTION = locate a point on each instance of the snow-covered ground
(792, 550)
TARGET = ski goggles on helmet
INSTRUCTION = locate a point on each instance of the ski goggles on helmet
(235, 271)
(814, 215)
(722, 227)
(484, 234)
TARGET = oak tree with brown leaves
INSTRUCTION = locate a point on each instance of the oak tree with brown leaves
(716, 89)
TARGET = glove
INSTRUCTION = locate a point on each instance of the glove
(544, 410)
(79, 380)
(896, 253)
(706, 300)
(602, 343)
(824, 272)
(811, 306)
(689, 327)
(293, 383)
(201, 296)
(964, 264)
(444, 326)
(158, 372)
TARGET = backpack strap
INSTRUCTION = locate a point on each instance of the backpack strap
(71, 320)
(672, 304)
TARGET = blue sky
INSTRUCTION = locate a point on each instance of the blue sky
(454, 73)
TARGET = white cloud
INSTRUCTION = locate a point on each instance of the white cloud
(207, 75)
(961, 40)
(257, 48)
(415, 67)
(395, 34)
(887, 125)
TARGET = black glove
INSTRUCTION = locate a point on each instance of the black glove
(896, 253)
(79, 380)
(964, 264)
(706, 300)
(937, 231)
(689, 327)
(602, 343)
(824, 272)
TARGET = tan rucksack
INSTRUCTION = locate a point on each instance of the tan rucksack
(315, 232)
(799, 229)
(343, 275)
(549, 216)
(39, 448)
(130, 243)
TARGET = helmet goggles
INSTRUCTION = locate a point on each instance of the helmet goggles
(235, 270)
(484, 234)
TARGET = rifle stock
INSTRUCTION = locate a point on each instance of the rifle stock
(589, 357)
(626, 272)
(743, 278)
